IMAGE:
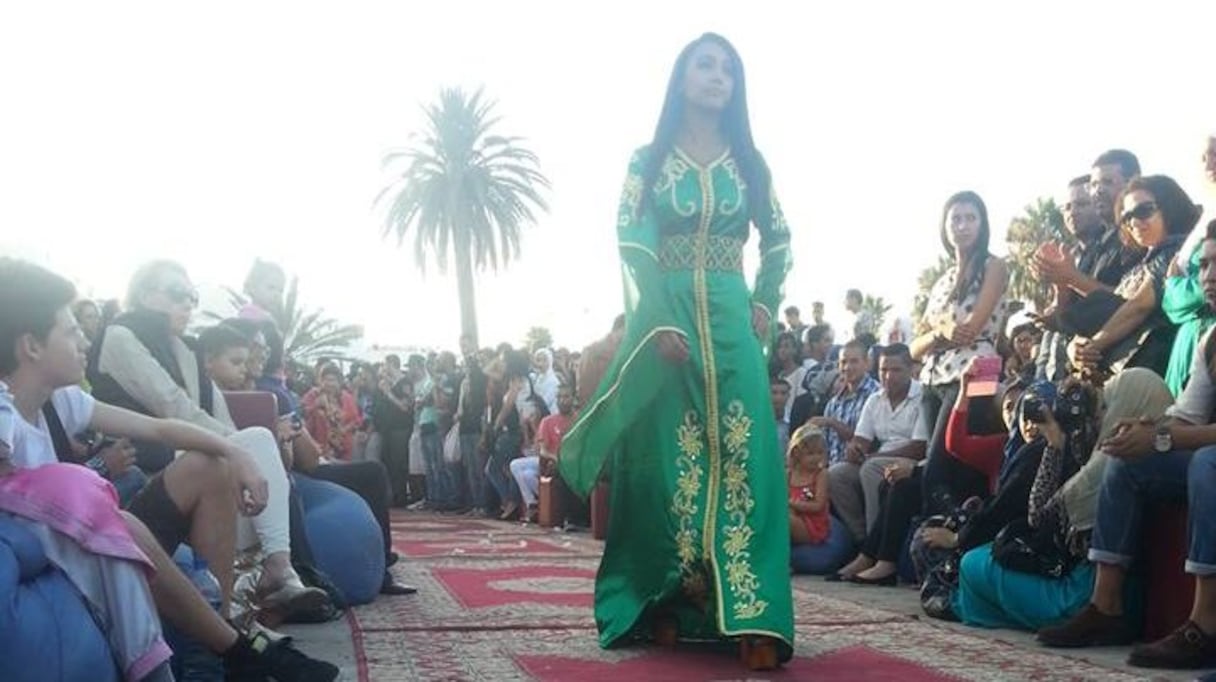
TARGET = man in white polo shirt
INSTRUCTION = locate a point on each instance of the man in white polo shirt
(888, 433)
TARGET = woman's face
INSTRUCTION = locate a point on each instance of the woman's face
(1009, 407)
(331, 384)
(1024, 345)
(540, 362)
(1142, 218)
(175, 296)
(709, 80)
(89, 319)
(256, 365)
(963, 226)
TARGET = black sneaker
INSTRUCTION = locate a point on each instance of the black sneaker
(258, 659)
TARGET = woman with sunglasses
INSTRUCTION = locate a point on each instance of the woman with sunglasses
(962, 321)
(1155, 215)
(678, 417)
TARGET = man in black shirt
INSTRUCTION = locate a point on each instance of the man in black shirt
(470, 414)
(393, 418)
(1100, 260)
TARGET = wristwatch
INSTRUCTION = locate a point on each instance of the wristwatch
(1163, 441)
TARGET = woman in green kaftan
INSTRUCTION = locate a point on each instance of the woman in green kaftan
(681, 424)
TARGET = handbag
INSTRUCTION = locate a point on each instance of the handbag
(1036, 551)
(451, 445)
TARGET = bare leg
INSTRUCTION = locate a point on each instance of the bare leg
(176, 598)
(879, 570)
(799, 535)
(1203, 611)
(1108, 590)
(202, 488)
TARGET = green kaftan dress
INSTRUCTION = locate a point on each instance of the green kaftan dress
(699, 522)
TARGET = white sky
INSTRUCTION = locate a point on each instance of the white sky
(216, 132)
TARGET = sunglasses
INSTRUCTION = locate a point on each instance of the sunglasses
(1142, 211)
(181, 295)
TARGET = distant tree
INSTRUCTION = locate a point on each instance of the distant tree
(924, 284)
(1041, 222)
(537, 338)
(878, 309)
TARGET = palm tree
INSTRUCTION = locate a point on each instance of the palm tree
(464, 186)
(537, 338)
(1042, 222)
(878, 309)
(924, 284)
(308, 334)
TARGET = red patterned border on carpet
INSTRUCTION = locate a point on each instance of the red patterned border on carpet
(479, 588)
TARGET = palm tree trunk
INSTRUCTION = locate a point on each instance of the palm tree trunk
(464, 286)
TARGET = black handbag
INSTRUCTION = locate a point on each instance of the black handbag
(1037, 551)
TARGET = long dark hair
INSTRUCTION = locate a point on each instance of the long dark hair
(971, 265)
(736, 124)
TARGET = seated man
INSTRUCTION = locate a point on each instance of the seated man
(891, 420)
(1173, 460)
(526, 470)
(842, 413)
(143, 362)
(40, 365)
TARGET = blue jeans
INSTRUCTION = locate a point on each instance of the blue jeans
(128, 483)
(474, 468)
(506, 448)
(1170, 477)
(440, 488)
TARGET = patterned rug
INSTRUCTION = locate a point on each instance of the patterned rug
(501, 601)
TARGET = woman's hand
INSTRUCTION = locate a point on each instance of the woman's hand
(760, 321)
(1050, 430)
(941, 538)
(964, 334)
(673, 346)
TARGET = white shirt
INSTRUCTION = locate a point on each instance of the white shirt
(32, 443)
(892, 427)
(794, 379)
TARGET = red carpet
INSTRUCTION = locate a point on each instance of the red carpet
(501, 601)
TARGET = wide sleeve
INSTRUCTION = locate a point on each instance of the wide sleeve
(984, 453)
(775, 258)
(637, 230)
(611, 411)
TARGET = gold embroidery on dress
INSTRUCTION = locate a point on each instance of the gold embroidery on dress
(727, 207)
(674, 170)
(690, 438)
(738, 505)
(679, 252)
(631, 198)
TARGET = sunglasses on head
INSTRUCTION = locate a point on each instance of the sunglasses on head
(1142, 211)
(182, 295)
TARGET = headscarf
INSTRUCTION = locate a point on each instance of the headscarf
(1015, 444)
(1130, 394)
(546, 383)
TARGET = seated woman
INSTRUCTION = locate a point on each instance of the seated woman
(1062, 507)
(1028, 440)
(1128, 328)
(1024, 340)
(332, 415)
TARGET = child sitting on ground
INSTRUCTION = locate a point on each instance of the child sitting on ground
(808, 486)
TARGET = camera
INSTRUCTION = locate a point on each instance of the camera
(1070, 412)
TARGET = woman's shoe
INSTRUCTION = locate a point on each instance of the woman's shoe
(758, 653)
(836, 578)
(666, 630)
(885, 581)
(508, 512)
